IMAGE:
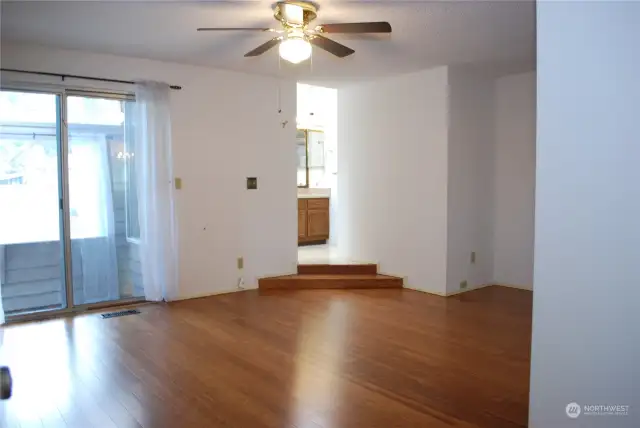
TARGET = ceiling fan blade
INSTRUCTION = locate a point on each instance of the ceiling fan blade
(233, 29)
(264, 47)
(330, 46)
(356, 27)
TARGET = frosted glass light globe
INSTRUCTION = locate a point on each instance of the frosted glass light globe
(294, 50)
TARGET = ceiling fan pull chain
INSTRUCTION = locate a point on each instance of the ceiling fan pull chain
(279, 96)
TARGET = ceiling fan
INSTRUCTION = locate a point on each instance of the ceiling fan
(295, 38)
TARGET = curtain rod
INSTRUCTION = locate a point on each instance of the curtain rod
(74, 76)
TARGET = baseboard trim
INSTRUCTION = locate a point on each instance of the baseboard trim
(435, 293)
(215, 293)
(424, 291)
(519, 287)
(312, 242)
(453, 293)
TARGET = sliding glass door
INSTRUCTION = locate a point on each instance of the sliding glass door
(102, 196)
(67, 190)
(32, 263)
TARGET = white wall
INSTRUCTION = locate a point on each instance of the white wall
(586, 317)
(225, 128)
(470, 179)
(515, 162)
(392, 176)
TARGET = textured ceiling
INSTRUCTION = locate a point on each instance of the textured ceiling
(498, 35)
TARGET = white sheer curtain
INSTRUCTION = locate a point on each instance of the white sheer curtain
(93, 230)
(154, 175)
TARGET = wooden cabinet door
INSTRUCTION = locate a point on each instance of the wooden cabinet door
(318, 224)
(302, 223)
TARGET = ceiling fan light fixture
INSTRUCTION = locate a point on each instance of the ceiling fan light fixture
(293, 13)
(295, 36)
(295, 49)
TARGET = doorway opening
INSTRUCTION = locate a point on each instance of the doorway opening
(317, 175)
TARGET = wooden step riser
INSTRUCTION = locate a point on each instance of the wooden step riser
(368, 269)
(344, 283)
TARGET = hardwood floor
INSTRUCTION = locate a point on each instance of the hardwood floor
(304, 359)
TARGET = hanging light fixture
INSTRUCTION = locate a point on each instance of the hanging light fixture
(295, 48)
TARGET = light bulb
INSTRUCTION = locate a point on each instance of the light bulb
(293, 13)
(294, 50)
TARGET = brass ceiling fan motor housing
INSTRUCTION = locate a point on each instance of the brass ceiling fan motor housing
(309, 12)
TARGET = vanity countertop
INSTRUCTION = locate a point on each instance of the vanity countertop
(304, 193)
(313, 196)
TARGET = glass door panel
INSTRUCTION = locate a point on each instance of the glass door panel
(32, 268)
(102, 200)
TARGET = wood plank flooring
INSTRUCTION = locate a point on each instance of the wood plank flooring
(303, 359)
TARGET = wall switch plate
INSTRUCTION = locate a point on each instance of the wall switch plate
(252, 183)
(240, 262)
(473, 257)
(178, 183)
(463, 285)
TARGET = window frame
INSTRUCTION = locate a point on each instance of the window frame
(129, 131)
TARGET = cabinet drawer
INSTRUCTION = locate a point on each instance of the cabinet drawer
(318, 204)
(302, 204)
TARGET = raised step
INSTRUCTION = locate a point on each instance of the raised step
(300, 282)
(338, 269)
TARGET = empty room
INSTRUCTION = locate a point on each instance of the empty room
(461, 176)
